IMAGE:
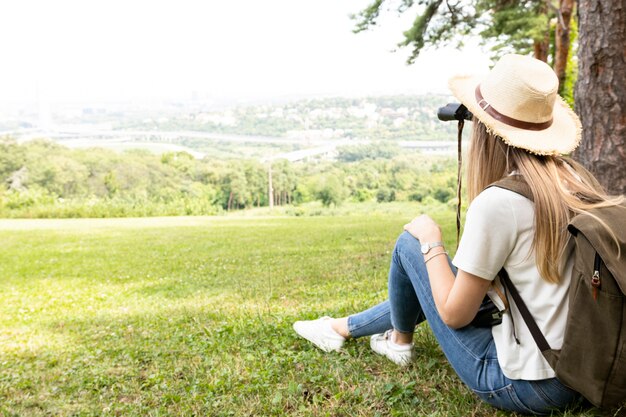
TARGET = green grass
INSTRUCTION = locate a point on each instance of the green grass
(192, 316)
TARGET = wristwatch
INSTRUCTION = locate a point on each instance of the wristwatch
(426, 247)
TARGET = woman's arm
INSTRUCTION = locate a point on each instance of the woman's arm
(457, 300)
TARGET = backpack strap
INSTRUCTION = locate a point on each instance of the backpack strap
(516, 184)
(540, 339)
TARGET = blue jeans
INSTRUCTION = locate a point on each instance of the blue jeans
(471, 350)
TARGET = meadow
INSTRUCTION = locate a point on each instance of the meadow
(191, 316)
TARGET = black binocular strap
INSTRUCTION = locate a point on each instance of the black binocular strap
(458, 182)
(540, 339)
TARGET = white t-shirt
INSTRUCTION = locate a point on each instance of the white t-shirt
(499, 232)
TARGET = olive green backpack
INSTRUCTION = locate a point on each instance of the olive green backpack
(592, 359)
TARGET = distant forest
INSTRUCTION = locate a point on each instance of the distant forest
(41, 179)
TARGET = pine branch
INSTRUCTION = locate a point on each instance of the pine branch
(367, 17)
(415, 35)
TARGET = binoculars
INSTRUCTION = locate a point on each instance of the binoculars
(454, 111)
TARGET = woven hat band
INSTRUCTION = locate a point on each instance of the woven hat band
(520, 124)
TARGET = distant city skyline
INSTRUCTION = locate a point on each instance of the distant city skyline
(76, 51)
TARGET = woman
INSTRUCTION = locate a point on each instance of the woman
(521, 126)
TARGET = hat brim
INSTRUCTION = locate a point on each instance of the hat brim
(562, 137)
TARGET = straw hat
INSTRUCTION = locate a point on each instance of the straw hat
(518, 102)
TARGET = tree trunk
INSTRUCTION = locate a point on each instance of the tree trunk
(541, 50)
(562, 40)
(270, 188)
(230, 200)
(542, 46)
(601, 91)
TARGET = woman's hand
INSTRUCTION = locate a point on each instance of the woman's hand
(424, 229)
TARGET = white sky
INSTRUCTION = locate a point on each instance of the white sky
(90, 50)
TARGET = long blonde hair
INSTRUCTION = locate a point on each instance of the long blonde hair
(558, 191)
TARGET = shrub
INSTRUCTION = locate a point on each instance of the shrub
(385, 195)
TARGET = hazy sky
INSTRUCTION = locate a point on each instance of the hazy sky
(135, 49)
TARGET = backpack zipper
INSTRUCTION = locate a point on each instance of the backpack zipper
(595, 279)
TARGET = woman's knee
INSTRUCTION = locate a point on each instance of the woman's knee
(406, 241)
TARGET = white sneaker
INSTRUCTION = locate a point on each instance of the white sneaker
(320, 333)
(399, 354)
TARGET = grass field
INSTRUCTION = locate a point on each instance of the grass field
(192, 317)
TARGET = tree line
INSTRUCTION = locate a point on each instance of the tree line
(43, 179)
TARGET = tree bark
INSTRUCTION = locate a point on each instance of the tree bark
(542, 47)
(562, 40)
(541, 50)
(600, 92)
